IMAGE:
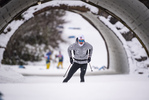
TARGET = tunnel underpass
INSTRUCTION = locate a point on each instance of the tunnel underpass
(125, 10)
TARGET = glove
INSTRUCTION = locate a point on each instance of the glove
(71, 60)
(89, 59)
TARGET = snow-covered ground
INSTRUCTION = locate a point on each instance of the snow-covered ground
(110, 87)
(133, 86)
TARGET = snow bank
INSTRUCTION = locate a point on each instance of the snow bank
(7, 75)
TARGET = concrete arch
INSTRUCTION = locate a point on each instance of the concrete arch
(133, 13)
(136, 20)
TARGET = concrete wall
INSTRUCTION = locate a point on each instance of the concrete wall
(133, 13)
(12, 8)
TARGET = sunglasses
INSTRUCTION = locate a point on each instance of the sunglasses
(81, 40)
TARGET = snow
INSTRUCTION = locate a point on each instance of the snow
(47, 84)
(5, 38)
(119, 87)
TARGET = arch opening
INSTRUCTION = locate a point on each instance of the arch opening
(88, 33)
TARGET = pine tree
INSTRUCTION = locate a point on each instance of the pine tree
(40, 31)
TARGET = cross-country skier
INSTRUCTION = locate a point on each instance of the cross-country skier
(48, 58)
(60, 62)
(82, 56)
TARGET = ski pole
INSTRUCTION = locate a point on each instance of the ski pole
(90, 67)
(67, 70)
